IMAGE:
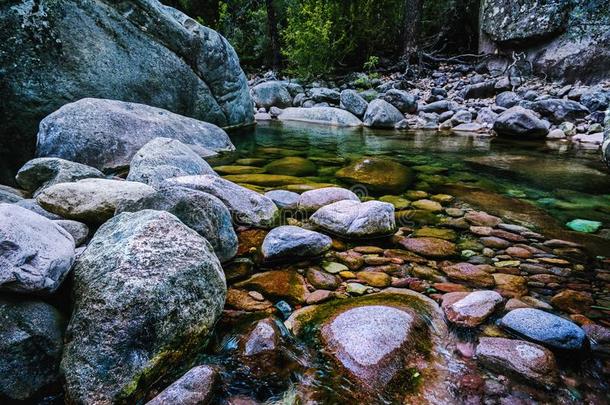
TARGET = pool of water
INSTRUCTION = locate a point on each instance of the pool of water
(563, 180)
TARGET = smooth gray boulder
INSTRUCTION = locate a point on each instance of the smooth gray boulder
(106, 134)
(271, 94)
(57, 52)
(559, 111)
(480, 90)
(31, 341)
(200, 211)
(289, 242)
(381, 114)
(78, 230)
(313, 200)
(40, 173)
(147, 292)
(10, 195)
(544, 328)
(324, 95)
(353, 102)
(518, 122)
(321, 115)
(32, 205)
(507, 99)
(353, 219)
(284, 199)
(91, 200)
(402, 100)
(36, 254)
(246, 206)
(164, 158)
(196, 387)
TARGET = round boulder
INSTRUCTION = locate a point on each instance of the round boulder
(378, 175)
(288, 242)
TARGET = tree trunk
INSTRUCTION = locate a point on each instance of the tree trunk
(411, 27)
(274, 37)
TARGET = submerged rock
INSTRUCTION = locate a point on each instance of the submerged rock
(353, 219)
(321, 115)
(200, 211)
(289, 242)
(378, 175)
(91, 200)
(38, 174)
(246, 206)
(156, 281)
(31, 342)
(292, 166)
(35, 253)
(106, 134)
(164, 158)
(544, 328)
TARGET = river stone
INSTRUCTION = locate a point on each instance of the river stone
(402, 100)
(324, 94)
(518, 122)
(381, 114)
(470, 274)
(200, 211)
(155, 280)
(35, 255)
(429, 247)
(286, 285)
(91, 200)
(292, 166)
(584, 225)
(8, 196)
(284, 199)
(353, 219)
(470, 309)
(378, 175)
(164, 158)
(31, 341)
(246, 206)
(142, 52)
(321, 115)
(353, 102)
(106, 134)
(289, 242)
(78, 230)
(196, 387)
(507, 99)
(544, 328)
(271, 94)
(40, 173)
(559, 110)
(32, 205)
(313, 200)
(529, 361)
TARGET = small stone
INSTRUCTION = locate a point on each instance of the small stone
(470, 274)
(357, 289)
(374, 279)
(318, 297)
(321, 279)
(495, 242)
(446, 234)
(573, 302)
(480, 218)
(584, 225)
(427, 205)
(347, 275)
(194, 387)
(510, 285)
(334, 267)
(288, 242)
(429, 247)
(470, 309)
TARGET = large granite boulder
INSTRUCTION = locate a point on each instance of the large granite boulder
(106, 134)
(381, 114)
(559, 110)
(405, 102)
(31, 341)
(321, 115)
(57, 52)
(38, 174)
(200, 211)
(164, 158)
(518, 122)
(353, 219)
(147, 292)
(353, 102)
(91, 200)
(271, 94)
(246, 206)
(35, 253)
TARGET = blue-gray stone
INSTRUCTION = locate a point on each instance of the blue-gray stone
(289, 241)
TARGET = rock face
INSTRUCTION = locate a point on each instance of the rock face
(164, 158)
(91, 200)
(35, 253)
(193, 388)
(529, 361)
(353, 219)
(321, 115)
(246, 206)
(381, 114)
(287, 242)
(518, 122)
(38, 174)
(106, 134)
(377, 175)
(31, 341)
(200, 211)
(152, 54)
(159, 284)
(271, 94)
(544, 328)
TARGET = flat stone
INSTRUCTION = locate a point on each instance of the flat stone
(322, 279)
(315, 199)
(480, 218)
(374, 278)
(429, 247)
(470, 309)
(470, 274)
(509, 285)
(243, 301)
(194, 387)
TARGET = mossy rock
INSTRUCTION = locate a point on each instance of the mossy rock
(292, 166)
(399, 203)
(379, 175)
(230, 169)
(264, 180)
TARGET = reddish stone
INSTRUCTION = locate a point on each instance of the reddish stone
(450, 287)
(495, 242)
(513, 237)
(469, 274)
(250, 240)
(480, 218)
(430, 247)
(574, 302)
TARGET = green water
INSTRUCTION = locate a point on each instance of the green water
(564, 180)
